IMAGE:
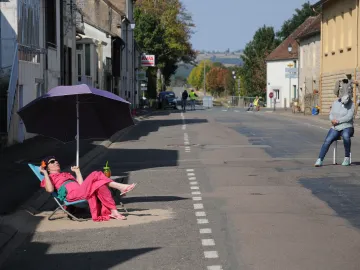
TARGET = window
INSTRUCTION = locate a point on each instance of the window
(342, 31)
(39, 89)
(349, 27)
(50, 22)
(87, 60)
(277, 94)
(333, 26)
(294, 90)
(326, 36)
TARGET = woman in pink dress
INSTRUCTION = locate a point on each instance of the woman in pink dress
(94, 189)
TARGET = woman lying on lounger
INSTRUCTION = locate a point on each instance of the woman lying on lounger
(94, 189)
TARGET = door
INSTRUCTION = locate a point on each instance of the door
(21, 133)
(80, 65)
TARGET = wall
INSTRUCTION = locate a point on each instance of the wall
(339, 48)
(276, 80)
(309, 67)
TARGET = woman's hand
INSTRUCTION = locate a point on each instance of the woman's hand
(75, 169)
(42, 170)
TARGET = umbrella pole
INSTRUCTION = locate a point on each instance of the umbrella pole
(77, 131)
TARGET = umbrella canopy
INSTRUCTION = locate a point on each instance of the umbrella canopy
(54, 114)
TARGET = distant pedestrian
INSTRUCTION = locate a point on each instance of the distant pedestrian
(257, 103)
(193, 97)
(184, 98)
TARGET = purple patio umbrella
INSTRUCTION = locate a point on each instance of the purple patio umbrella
(76, 112)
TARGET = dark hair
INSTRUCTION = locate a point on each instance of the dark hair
(47, 159)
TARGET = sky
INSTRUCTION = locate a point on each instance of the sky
(230, 24)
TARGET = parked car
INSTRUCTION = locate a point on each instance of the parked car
(167, 99)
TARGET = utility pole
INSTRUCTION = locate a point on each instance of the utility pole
(204, 78)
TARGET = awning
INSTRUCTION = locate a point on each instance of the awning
(90, 40)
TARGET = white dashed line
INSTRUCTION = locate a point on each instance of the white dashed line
(198, 206)
(191, 174)
(200, 214)
(208, 242)
(205, 231)
(194, 183)
(189, 170)
(197, 198)
(211, 254)
(194, 187)
(215, 267)
(196, 193)
(202, 221)
(192, 178)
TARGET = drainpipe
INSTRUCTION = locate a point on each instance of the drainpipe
(61, 45)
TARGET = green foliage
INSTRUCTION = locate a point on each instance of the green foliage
(196, 77)
(163, 28)
(297, 19)
(254, 56)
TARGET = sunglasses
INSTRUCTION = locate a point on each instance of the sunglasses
(52, 161)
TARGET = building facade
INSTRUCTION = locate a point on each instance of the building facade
(339, 46)
(309, 64)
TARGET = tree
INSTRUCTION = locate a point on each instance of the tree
(289, 26)
(254, 57)
(196, 77)
(219, 80)
(164, 28)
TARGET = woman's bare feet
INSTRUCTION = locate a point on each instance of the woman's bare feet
(116, 215)
(128, 189)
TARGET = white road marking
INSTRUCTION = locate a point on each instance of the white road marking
(189, 170)
(224, 110)
(194, 183)
(186, 142)
(192, 178)
(236, 111)
(211, 254)
(196, 193)
(194, 187)
(200, 214)
(197, 198)
(191, 174)
(215, 267)
(198, 206)
(205, 231)
(208, 242)
(202, 221)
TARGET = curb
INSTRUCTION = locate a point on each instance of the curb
(11, 225)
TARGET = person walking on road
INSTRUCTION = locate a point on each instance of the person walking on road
(193, 97)
(256, 103)
(342, 119)
(184, 98)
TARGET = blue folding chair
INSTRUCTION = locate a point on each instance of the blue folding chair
(54, 194)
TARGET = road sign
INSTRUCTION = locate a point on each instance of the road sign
(291, 70)
(141, 75)
(143, 88)
(291, 75)
(271, 95)
(143, 84)
(148, 60)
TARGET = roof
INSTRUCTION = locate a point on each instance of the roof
(281, 52)
(313, 28)
(319, 3)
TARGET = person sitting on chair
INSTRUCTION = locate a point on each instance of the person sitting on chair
(342, 120)
(94, 189)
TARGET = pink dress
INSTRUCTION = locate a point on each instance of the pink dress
(93, 189)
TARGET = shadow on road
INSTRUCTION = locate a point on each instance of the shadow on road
(24, 259)
(341, 194)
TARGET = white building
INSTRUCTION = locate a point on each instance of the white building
(286, 55)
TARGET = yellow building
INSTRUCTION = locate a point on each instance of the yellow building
(339, 46)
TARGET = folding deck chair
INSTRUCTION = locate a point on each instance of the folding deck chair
(54, 194)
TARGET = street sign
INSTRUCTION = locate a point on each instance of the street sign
(148, 60)
(271, 95)
(143, 84)
(291, 75)
(291, 70)
(141, 75)
(143, 88)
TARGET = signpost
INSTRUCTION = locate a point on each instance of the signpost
(290, 73)
(271, 95)
(148, 60)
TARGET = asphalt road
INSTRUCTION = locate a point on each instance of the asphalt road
(218, 189)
